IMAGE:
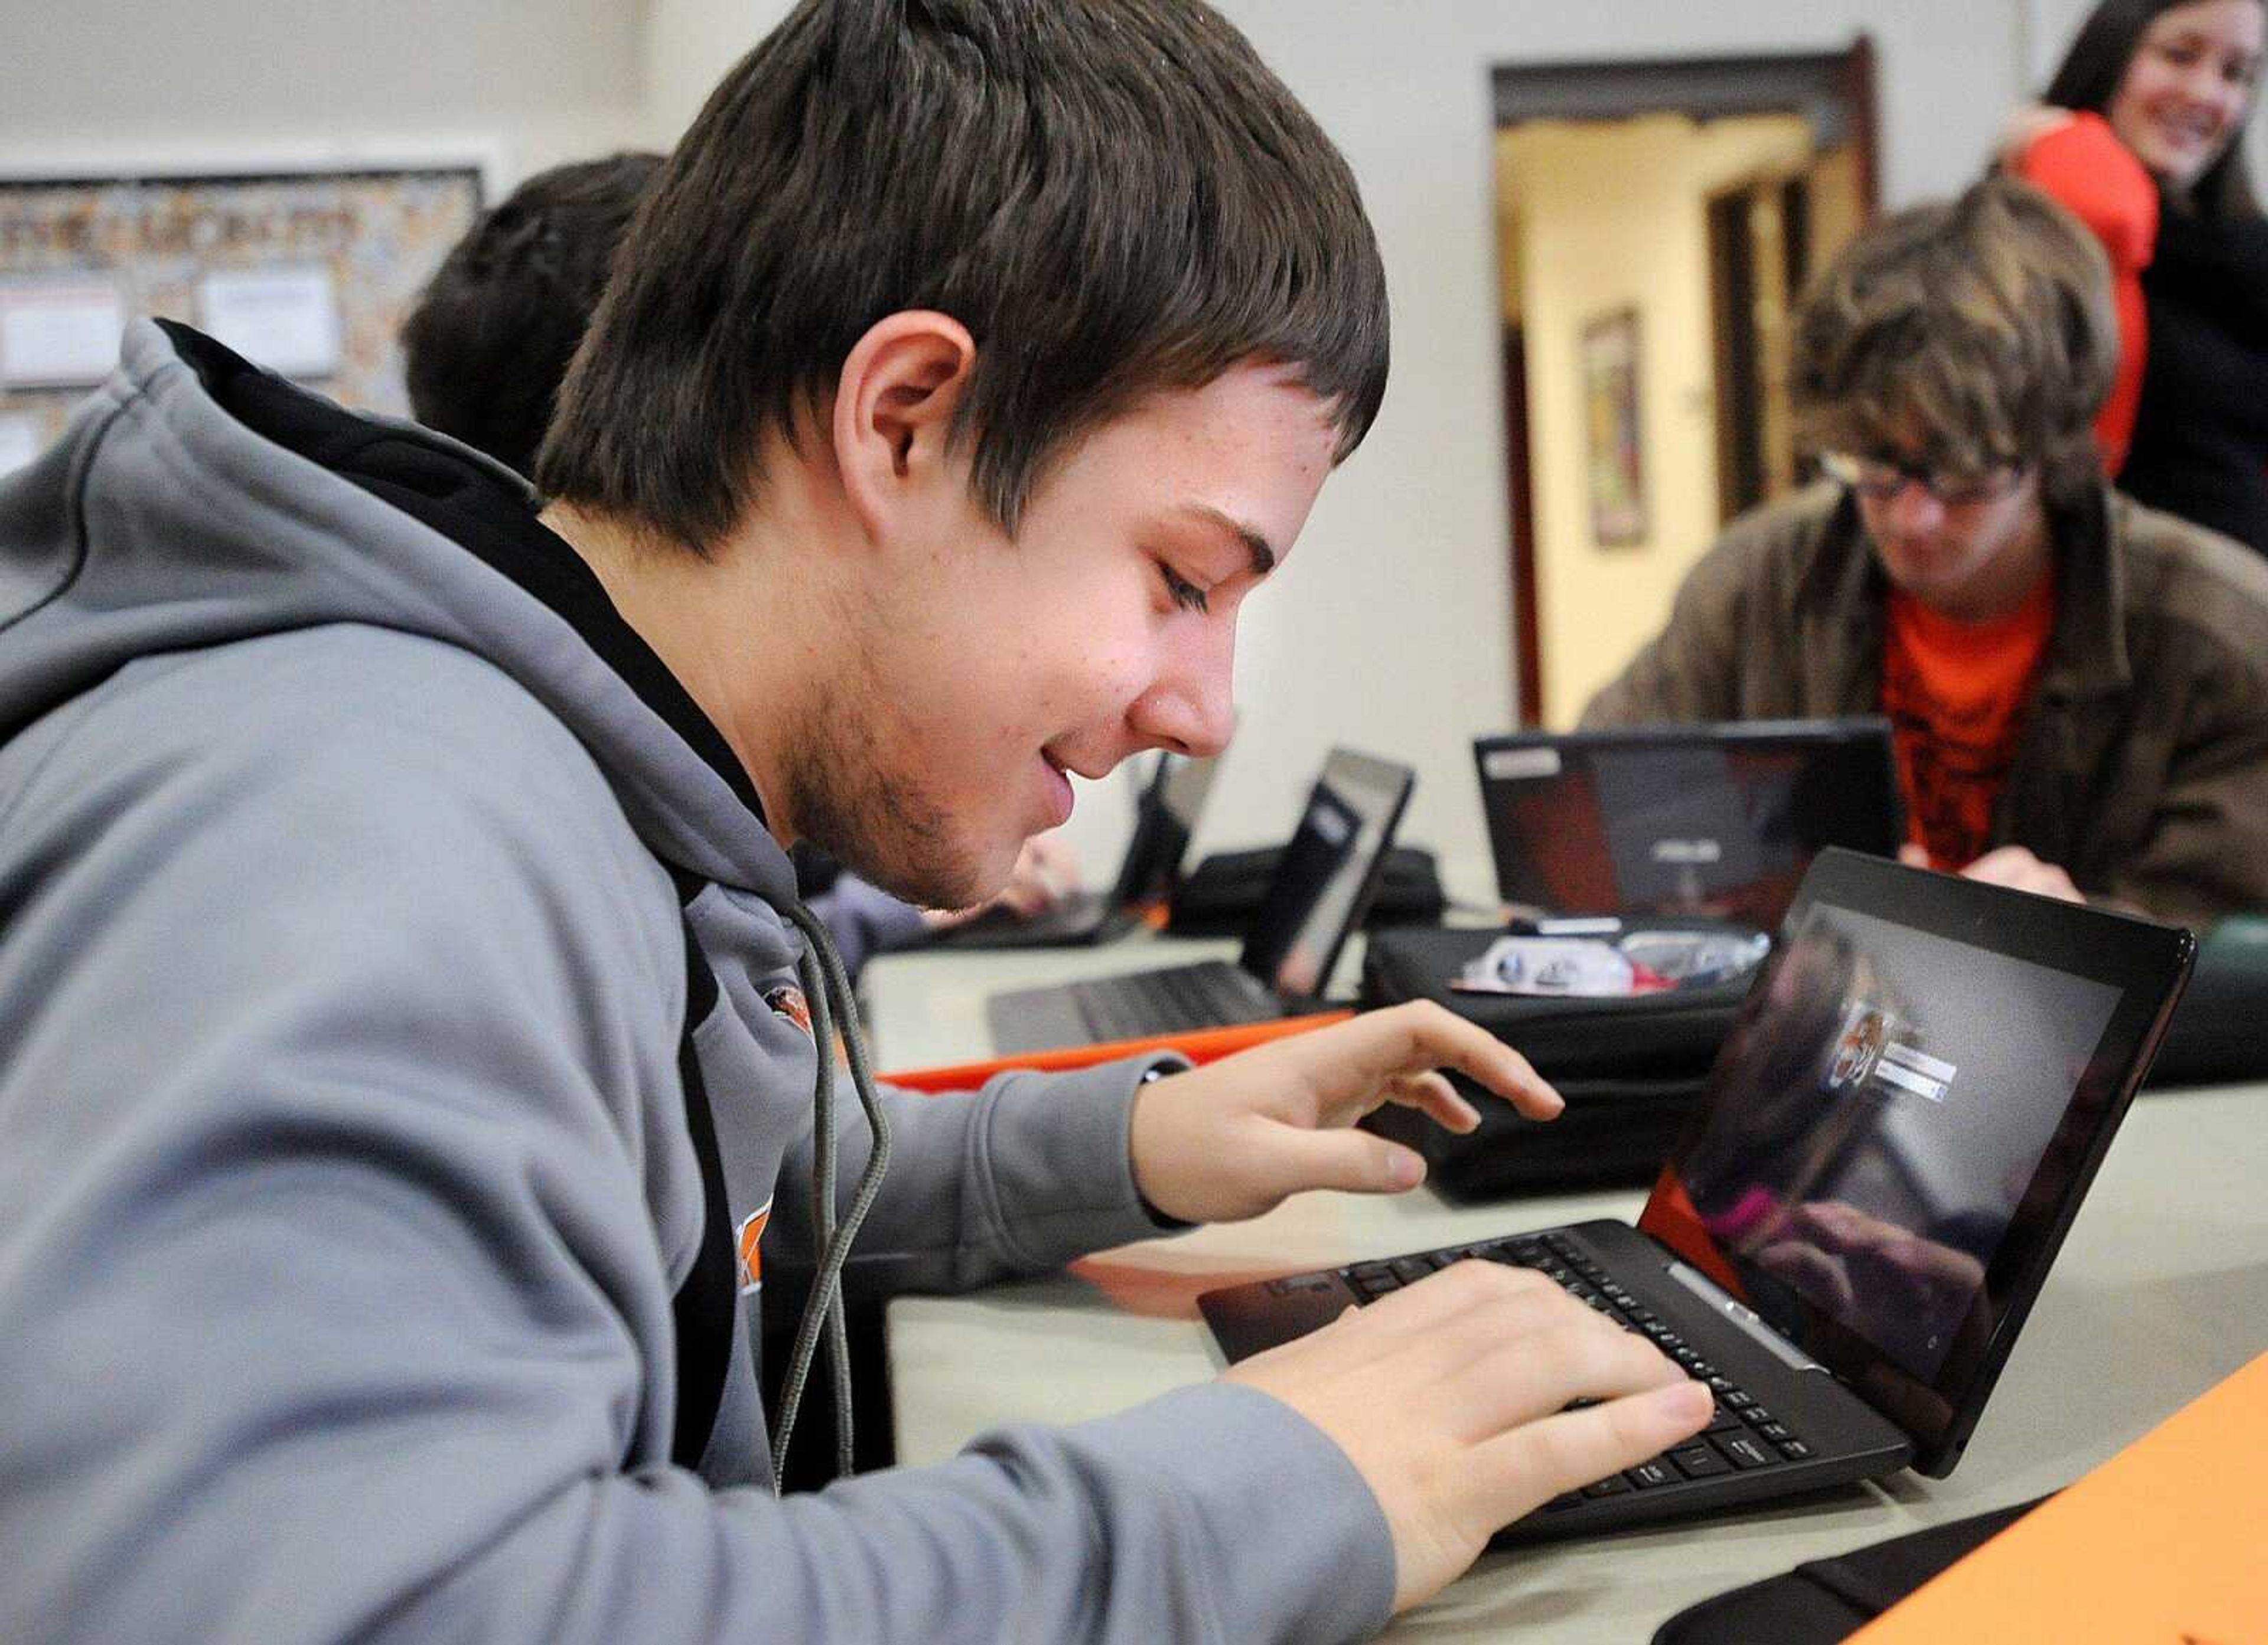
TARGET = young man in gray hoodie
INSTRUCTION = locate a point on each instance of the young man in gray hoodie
(409, 1038)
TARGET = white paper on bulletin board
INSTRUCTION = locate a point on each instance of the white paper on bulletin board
(59, 334)
(286, 320)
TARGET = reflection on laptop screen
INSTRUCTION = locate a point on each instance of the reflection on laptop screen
(1328, 870)
(1886, 1106)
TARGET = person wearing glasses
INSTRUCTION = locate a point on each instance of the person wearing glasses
(2076, 683)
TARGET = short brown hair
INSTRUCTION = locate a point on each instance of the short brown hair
(1114, 196)
(1964, 334)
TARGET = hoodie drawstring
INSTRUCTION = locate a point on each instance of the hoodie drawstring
(825, 986)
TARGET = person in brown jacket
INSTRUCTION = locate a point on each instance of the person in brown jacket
(2077, 685)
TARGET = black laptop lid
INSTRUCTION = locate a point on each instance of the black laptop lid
(1165, 820)
(1714, 819)
(1328, 872)
(1903, 1118)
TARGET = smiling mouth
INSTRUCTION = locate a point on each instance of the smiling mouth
(1064, 797)
(2188, 134)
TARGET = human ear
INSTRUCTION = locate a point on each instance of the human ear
(893, 415)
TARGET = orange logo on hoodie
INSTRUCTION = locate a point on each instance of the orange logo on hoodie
(787, 1000)
(751, 1255)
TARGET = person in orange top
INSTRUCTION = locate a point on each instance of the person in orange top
(2138, 134)
(2077, 688)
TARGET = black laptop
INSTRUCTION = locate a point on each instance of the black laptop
(1845, 1241)
(1165, 818)
(1716, 819)
(1319, 893)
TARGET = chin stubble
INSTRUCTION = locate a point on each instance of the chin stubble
(887, 832)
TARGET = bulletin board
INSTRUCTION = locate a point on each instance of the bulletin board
(310, 272)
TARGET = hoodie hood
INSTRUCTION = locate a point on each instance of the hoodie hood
(197, 500)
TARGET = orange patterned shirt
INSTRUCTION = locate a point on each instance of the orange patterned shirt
(1957, 694)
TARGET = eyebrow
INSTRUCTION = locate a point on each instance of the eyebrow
(1262, 555)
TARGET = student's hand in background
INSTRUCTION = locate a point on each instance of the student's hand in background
(1449, 1397)
(1232, 1139)
(1045, 872)
(2008, 865)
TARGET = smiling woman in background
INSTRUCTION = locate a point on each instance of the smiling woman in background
(2138, 134)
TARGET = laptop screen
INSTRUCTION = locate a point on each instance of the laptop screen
(1330, 870)
(1902, 1118)
(1686, 820)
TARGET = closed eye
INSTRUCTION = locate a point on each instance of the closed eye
(1184, 593)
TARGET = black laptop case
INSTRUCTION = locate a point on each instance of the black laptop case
(1631, 1069)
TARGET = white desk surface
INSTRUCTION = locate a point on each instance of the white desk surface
(2161, 1291)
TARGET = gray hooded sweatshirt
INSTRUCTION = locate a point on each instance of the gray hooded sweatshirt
(388, 951)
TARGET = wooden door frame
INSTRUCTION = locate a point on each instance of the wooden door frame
(1834, 91)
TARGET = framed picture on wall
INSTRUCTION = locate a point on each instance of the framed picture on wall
(1613, 442)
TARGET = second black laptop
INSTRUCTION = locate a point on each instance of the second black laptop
(1717, 819)
(1320, 891)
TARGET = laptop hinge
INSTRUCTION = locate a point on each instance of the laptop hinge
(1742, 1315)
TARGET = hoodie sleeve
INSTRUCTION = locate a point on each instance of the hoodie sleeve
(335, 1307)
(1020, 1177)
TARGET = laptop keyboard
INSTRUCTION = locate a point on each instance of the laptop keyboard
(1741, 1435)
(1210, 994)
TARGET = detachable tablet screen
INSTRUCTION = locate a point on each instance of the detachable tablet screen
(1903, 1118)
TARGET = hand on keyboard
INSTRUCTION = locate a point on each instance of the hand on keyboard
(1450, 1396)
(1234, 1138)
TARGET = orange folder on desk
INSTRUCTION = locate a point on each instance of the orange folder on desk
(2166, 1541)
(1202, 1044)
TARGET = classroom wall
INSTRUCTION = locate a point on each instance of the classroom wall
(514, 85)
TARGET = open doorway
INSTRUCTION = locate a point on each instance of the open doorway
(1657, 222)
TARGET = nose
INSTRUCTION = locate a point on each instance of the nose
(1914, 508)
(1190, 707)
(2207, 85)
